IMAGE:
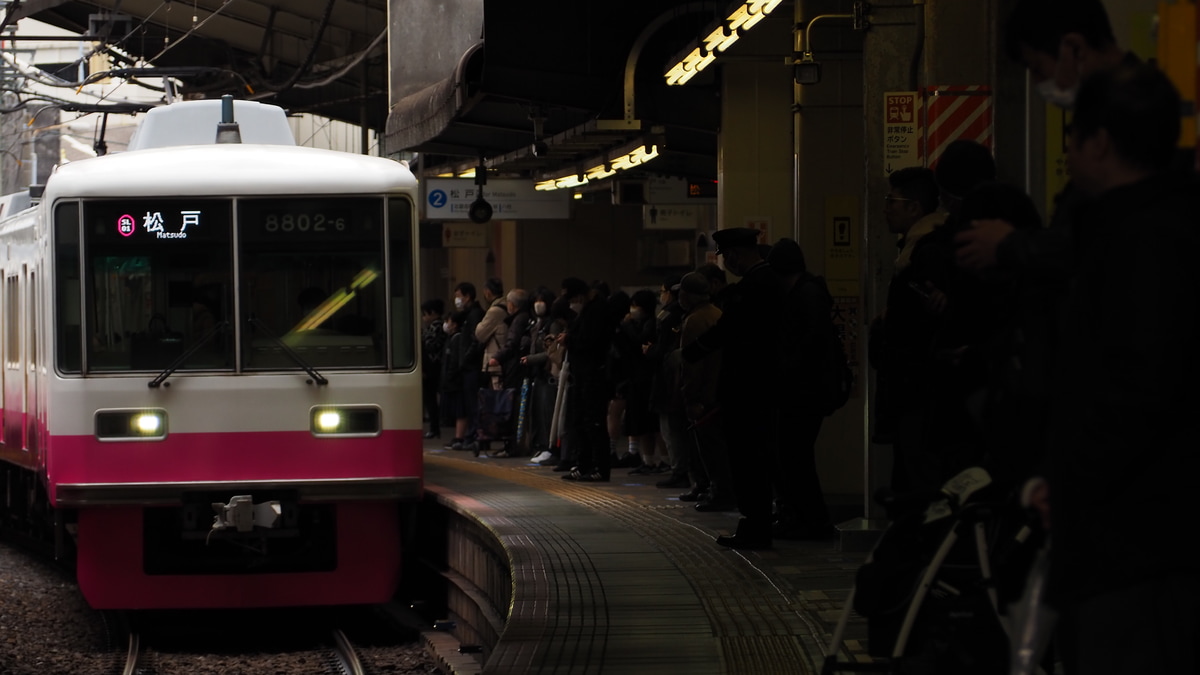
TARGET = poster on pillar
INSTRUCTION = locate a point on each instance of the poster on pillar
(1057, 178)
(762, 224)
(901, 130)
(842, 235)
(847, 301)
(953, 112)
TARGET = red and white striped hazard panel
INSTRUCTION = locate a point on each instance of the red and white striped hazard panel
(952, 112)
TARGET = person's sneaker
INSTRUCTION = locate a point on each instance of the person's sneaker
(643, 470)
(593, 477)
(552, 460)
(661, 468)
(628, 461)
(543, 455)
(456, 444)
(564, 466)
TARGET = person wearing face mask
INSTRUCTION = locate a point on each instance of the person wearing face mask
(1060, 42)
(465, 302)
(543, 372)
(454, 359)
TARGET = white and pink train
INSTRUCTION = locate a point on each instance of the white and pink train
(210, 384)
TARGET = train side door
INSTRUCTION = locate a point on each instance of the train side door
(4, 318)
(12, 363)
(31, 360)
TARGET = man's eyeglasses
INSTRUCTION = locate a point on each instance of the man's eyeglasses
(889, 199)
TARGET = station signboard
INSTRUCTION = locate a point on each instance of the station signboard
(511, 199)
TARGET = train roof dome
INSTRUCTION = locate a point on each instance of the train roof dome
(195, 123)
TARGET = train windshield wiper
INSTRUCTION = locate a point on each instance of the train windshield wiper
(291, 353)
(187, 354)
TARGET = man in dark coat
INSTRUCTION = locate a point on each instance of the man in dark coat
(1122, 450)
(806, 322)
(588, 340)
(748, 336)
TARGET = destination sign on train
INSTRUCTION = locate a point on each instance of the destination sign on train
(154, 220)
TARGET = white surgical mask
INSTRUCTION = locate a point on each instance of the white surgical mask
(445, 326)
(458, 303)
(539, 308)
(577, 307)
(1049, 90)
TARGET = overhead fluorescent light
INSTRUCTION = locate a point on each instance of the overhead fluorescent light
(624, 159)
(720, 37)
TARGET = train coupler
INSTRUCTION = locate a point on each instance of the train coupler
(243, 515)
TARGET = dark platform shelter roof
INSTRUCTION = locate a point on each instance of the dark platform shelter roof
(541, 86)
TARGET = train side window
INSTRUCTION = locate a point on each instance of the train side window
(67, 306)
(400, 268)
(33, 321)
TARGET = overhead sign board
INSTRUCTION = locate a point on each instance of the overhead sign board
(511, 199)
(676, 216)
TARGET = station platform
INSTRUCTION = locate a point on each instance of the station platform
(622, 577)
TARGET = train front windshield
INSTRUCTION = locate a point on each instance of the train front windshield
(162, 280)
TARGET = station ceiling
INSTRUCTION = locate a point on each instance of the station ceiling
(545, 72)
(275, 51)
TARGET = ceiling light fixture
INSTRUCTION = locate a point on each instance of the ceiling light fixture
(622, 159)
(721, 36)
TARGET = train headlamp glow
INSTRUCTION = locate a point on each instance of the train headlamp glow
(328, 421)
(346, 420)
(147, 423)
(131, 425)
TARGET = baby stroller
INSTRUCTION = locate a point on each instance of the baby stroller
(929, 590)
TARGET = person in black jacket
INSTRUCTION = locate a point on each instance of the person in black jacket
(748, 339)
(454, 360)
(588, 340)
(1122, 451)
(433, 342)
(806, 322)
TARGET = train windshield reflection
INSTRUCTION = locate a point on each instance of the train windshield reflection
(311, 267)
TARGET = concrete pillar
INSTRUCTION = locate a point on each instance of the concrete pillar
(754, 158)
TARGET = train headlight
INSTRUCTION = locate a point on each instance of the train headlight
(328, 421)
(147, 424)
(342, 421)
(131, 425)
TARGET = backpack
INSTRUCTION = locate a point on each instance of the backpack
(835, 378)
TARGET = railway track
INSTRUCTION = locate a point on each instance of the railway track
(347, 661)
(133, 655)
